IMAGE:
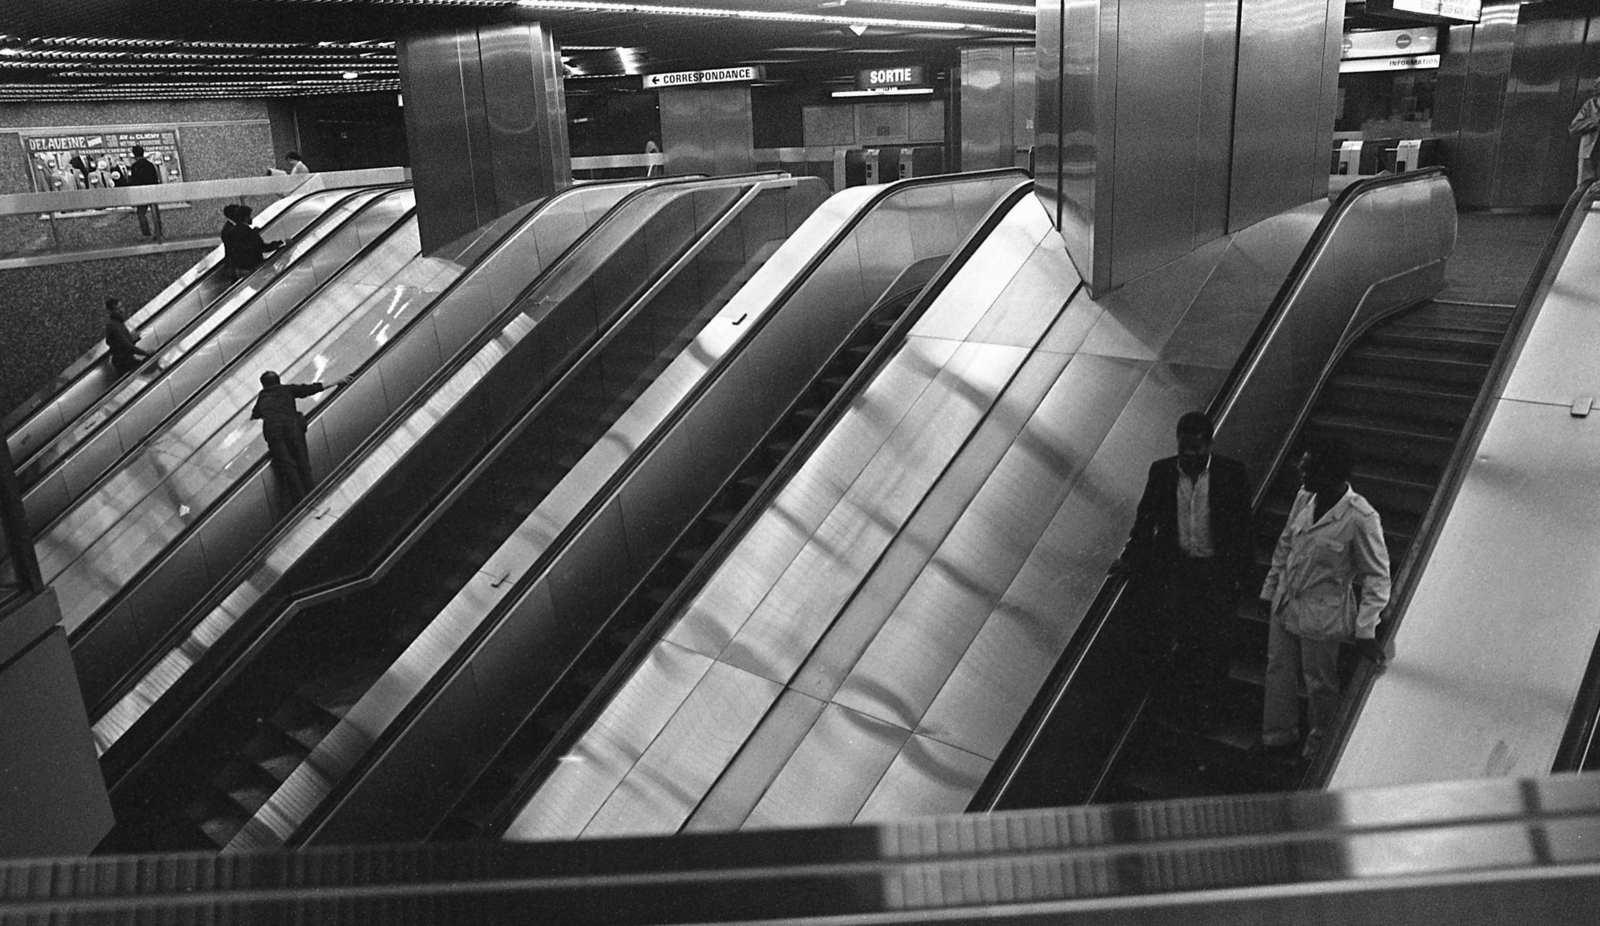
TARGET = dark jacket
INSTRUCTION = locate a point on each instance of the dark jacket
(242, 247)
(143, 173)
(123, 346)
(275, 405)
(1153, 542)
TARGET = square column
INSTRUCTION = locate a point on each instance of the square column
(486, 122)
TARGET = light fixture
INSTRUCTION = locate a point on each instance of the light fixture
(858, 28)
(652, 9)
(885, 91)
(350, 75)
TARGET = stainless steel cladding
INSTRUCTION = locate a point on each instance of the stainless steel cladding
(708, 130)
(487, 123)
(997, 106)
(1287, 88)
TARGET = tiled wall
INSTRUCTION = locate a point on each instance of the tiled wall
(50, 315)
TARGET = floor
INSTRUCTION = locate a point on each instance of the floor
(1495, 255)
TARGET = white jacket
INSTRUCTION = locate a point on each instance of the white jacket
(1317, 566)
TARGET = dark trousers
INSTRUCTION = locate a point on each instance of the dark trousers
(1198, 599)
(291, 459)
(144, 219)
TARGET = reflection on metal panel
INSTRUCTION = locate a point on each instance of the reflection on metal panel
(832, 773)
(988, 85)
(1288, 57)
(708, 130)
(927, 777)
(1492, 652)
(674, 773)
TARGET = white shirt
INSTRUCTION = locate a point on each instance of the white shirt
(1318, 563)
(1194, 513)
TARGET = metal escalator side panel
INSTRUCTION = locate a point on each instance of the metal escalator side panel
(62, 471)
(678, 290)
(448, 330)
(1382, 247)
(817, 525)
(179, 470)
(1494, 646)
(35, 423)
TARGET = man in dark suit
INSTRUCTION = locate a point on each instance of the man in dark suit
(142, 173)
(1191, 548)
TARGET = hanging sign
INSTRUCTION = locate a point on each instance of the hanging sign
(912, 75)
(696, 78)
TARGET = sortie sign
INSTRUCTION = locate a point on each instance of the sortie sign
(696, 78)
(910, 75)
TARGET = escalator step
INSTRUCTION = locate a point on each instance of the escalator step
(1444, 340)
(1406, 362)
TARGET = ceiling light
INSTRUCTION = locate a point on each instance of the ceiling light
(651, 9)
(858, 28)
(885, 91)
(350, 75)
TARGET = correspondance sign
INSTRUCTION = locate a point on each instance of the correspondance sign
(906, 75)
(696, 78)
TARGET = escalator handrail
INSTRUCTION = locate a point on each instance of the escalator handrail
(86, 363)
(214, 596)
(1581, 724)
(1584, 722)
(1109, 597)
(580, 519)
(596, 701)
(203, 390)
(177, 337)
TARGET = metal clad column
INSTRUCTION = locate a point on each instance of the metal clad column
(708, 130)
(1283, 107)
(988, 82)
(486, 123)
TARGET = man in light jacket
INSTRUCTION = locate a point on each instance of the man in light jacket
(1586, 126)
(1329, 583)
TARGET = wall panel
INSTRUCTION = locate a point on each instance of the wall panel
(708, 130)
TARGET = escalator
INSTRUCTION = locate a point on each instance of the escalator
(614, 643)
(255, 311)
(184, 306)
(186, 435)
(1399, 398)
(601, 348)
(403, 327)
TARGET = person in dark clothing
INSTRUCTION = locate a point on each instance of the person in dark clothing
(142, 173)
(242, 246)
(285, 430)
(1190, 548)
(126, 354)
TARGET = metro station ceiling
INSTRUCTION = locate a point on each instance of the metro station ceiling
(80, 50)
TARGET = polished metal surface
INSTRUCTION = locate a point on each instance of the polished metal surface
(176, 472)
(1288, 71)
(1491, 655)
(75, 463)
(967, 594)
(1385, 251)
(487, 123)
(427, 313)
(79, 389)
(988, 107)
(541, 578)
(707, 130)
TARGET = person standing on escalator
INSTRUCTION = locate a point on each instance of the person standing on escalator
(242, 246)
(121, 343)
(1190, 550)
(1586, 126)
(284, 427)
(1328, 584)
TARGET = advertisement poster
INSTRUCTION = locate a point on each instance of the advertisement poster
(91, 159)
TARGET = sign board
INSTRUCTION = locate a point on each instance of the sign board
(1423, 40)
(696, 78)
(90, 158)
(1462, 11)
(906, 75)
(1397, 63)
